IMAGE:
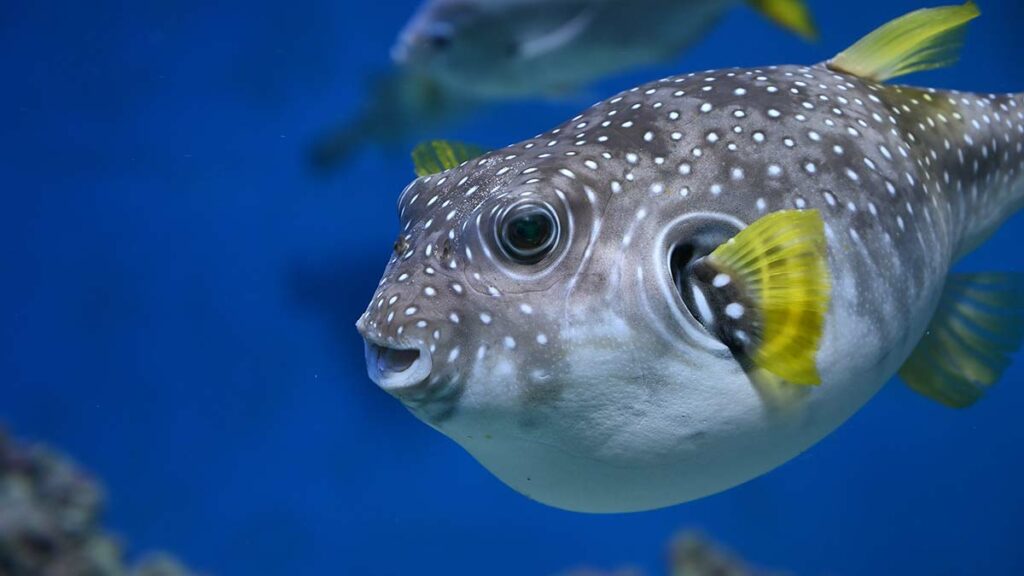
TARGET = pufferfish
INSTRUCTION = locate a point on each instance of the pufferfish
(696, 280)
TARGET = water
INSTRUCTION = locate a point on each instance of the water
(179, 291)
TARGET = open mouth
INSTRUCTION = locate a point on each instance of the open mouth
(396, 369)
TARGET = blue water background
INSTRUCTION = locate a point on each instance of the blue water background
(178, 288)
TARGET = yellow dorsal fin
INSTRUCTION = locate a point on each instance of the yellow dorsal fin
(921, 40)
(793, 15)
(437, 156)
(769, 290)
(977, 326)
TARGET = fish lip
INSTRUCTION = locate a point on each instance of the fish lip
(396, 382)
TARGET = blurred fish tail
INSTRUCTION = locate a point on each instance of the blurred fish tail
(336, 146)
(399, 106)
(793, 15)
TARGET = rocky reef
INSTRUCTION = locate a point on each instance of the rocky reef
(50, 513)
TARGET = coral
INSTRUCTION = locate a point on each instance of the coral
(691, 554)
(50, 520)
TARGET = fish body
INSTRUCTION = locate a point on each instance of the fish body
(594, 378)
(495, 49)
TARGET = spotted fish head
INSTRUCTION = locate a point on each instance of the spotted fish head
(535, 313)
(474, 286)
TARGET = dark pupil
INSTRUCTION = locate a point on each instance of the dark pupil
(529, 232)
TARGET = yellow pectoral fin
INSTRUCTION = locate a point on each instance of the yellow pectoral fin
(778, 266)
(922, 40)
(978, 325)
(437, 156)
(792, 15)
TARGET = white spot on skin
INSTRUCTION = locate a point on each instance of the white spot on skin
(734, 310)
(721, 280)
(485, 317)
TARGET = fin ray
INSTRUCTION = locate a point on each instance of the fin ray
(921, 40)
(977, 326)
(780, 267)
(436, 156)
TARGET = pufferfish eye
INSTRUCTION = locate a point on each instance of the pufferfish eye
(528, 233)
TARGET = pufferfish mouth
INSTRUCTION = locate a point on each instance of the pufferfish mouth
(396, 369)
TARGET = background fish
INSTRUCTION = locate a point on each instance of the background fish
(457, 55)
(695, 280)
(493, 49)
(400, 105)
